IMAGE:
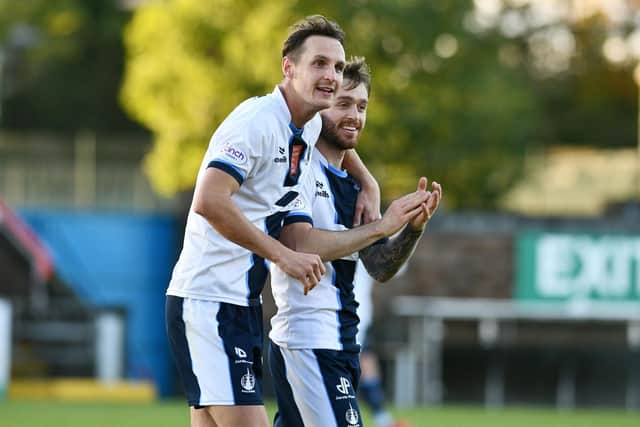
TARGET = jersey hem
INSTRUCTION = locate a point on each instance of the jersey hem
(213, 298)
(305, 346)
(259, 402)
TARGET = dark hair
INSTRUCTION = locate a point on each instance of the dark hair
(355, 72)
(314, 25)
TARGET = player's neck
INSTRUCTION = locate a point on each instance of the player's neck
(333, 154)
(300, 112)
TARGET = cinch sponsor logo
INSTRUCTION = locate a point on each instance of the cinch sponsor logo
(234, 154)
(282, 159)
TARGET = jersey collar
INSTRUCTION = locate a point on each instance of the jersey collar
(324, 162)
(283, 109)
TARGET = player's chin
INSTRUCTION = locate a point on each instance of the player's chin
(322, 104)
(347, 144)
(348, 140)
(322, 99)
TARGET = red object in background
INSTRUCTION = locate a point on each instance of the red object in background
(27, 242)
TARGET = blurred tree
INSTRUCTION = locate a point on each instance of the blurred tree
(189, 63)
(62, 65)
(579, 56)
(461, 90)
(441, 106)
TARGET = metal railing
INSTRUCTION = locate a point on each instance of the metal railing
(85, 171)
(418, 366)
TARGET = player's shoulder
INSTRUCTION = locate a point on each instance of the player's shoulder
(259, 115)
(316, 178)
(253, 120)
(253, 113)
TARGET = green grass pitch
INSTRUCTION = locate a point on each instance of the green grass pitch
(27, 413)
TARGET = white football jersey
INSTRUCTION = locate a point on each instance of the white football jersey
(256, 145)
(326, 317)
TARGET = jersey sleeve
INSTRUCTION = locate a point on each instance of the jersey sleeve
(235, 150)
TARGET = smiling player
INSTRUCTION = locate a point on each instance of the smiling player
(313, 350)
(242, 195)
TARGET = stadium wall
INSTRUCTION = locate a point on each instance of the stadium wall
(118, 261)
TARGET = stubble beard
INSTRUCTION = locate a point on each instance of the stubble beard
(330, 134)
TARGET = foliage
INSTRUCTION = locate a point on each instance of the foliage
(462, 90)
(460, 119)
(442, 105)
(62, 65)
(189, 63)
(579, 57)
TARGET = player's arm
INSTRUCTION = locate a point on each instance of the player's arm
(212, 201)
(368, 203)
(330, 245)
(383, 260)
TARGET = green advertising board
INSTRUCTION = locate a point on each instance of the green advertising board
(572, 266)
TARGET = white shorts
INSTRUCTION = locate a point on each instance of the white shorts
(218, 351)
(315, 388)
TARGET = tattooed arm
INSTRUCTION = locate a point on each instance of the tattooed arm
(383, 260)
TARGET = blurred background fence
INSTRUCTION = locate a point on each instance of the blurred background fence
(81, 171)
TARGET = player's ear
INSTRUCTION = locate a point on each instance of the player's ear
(287, 67)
